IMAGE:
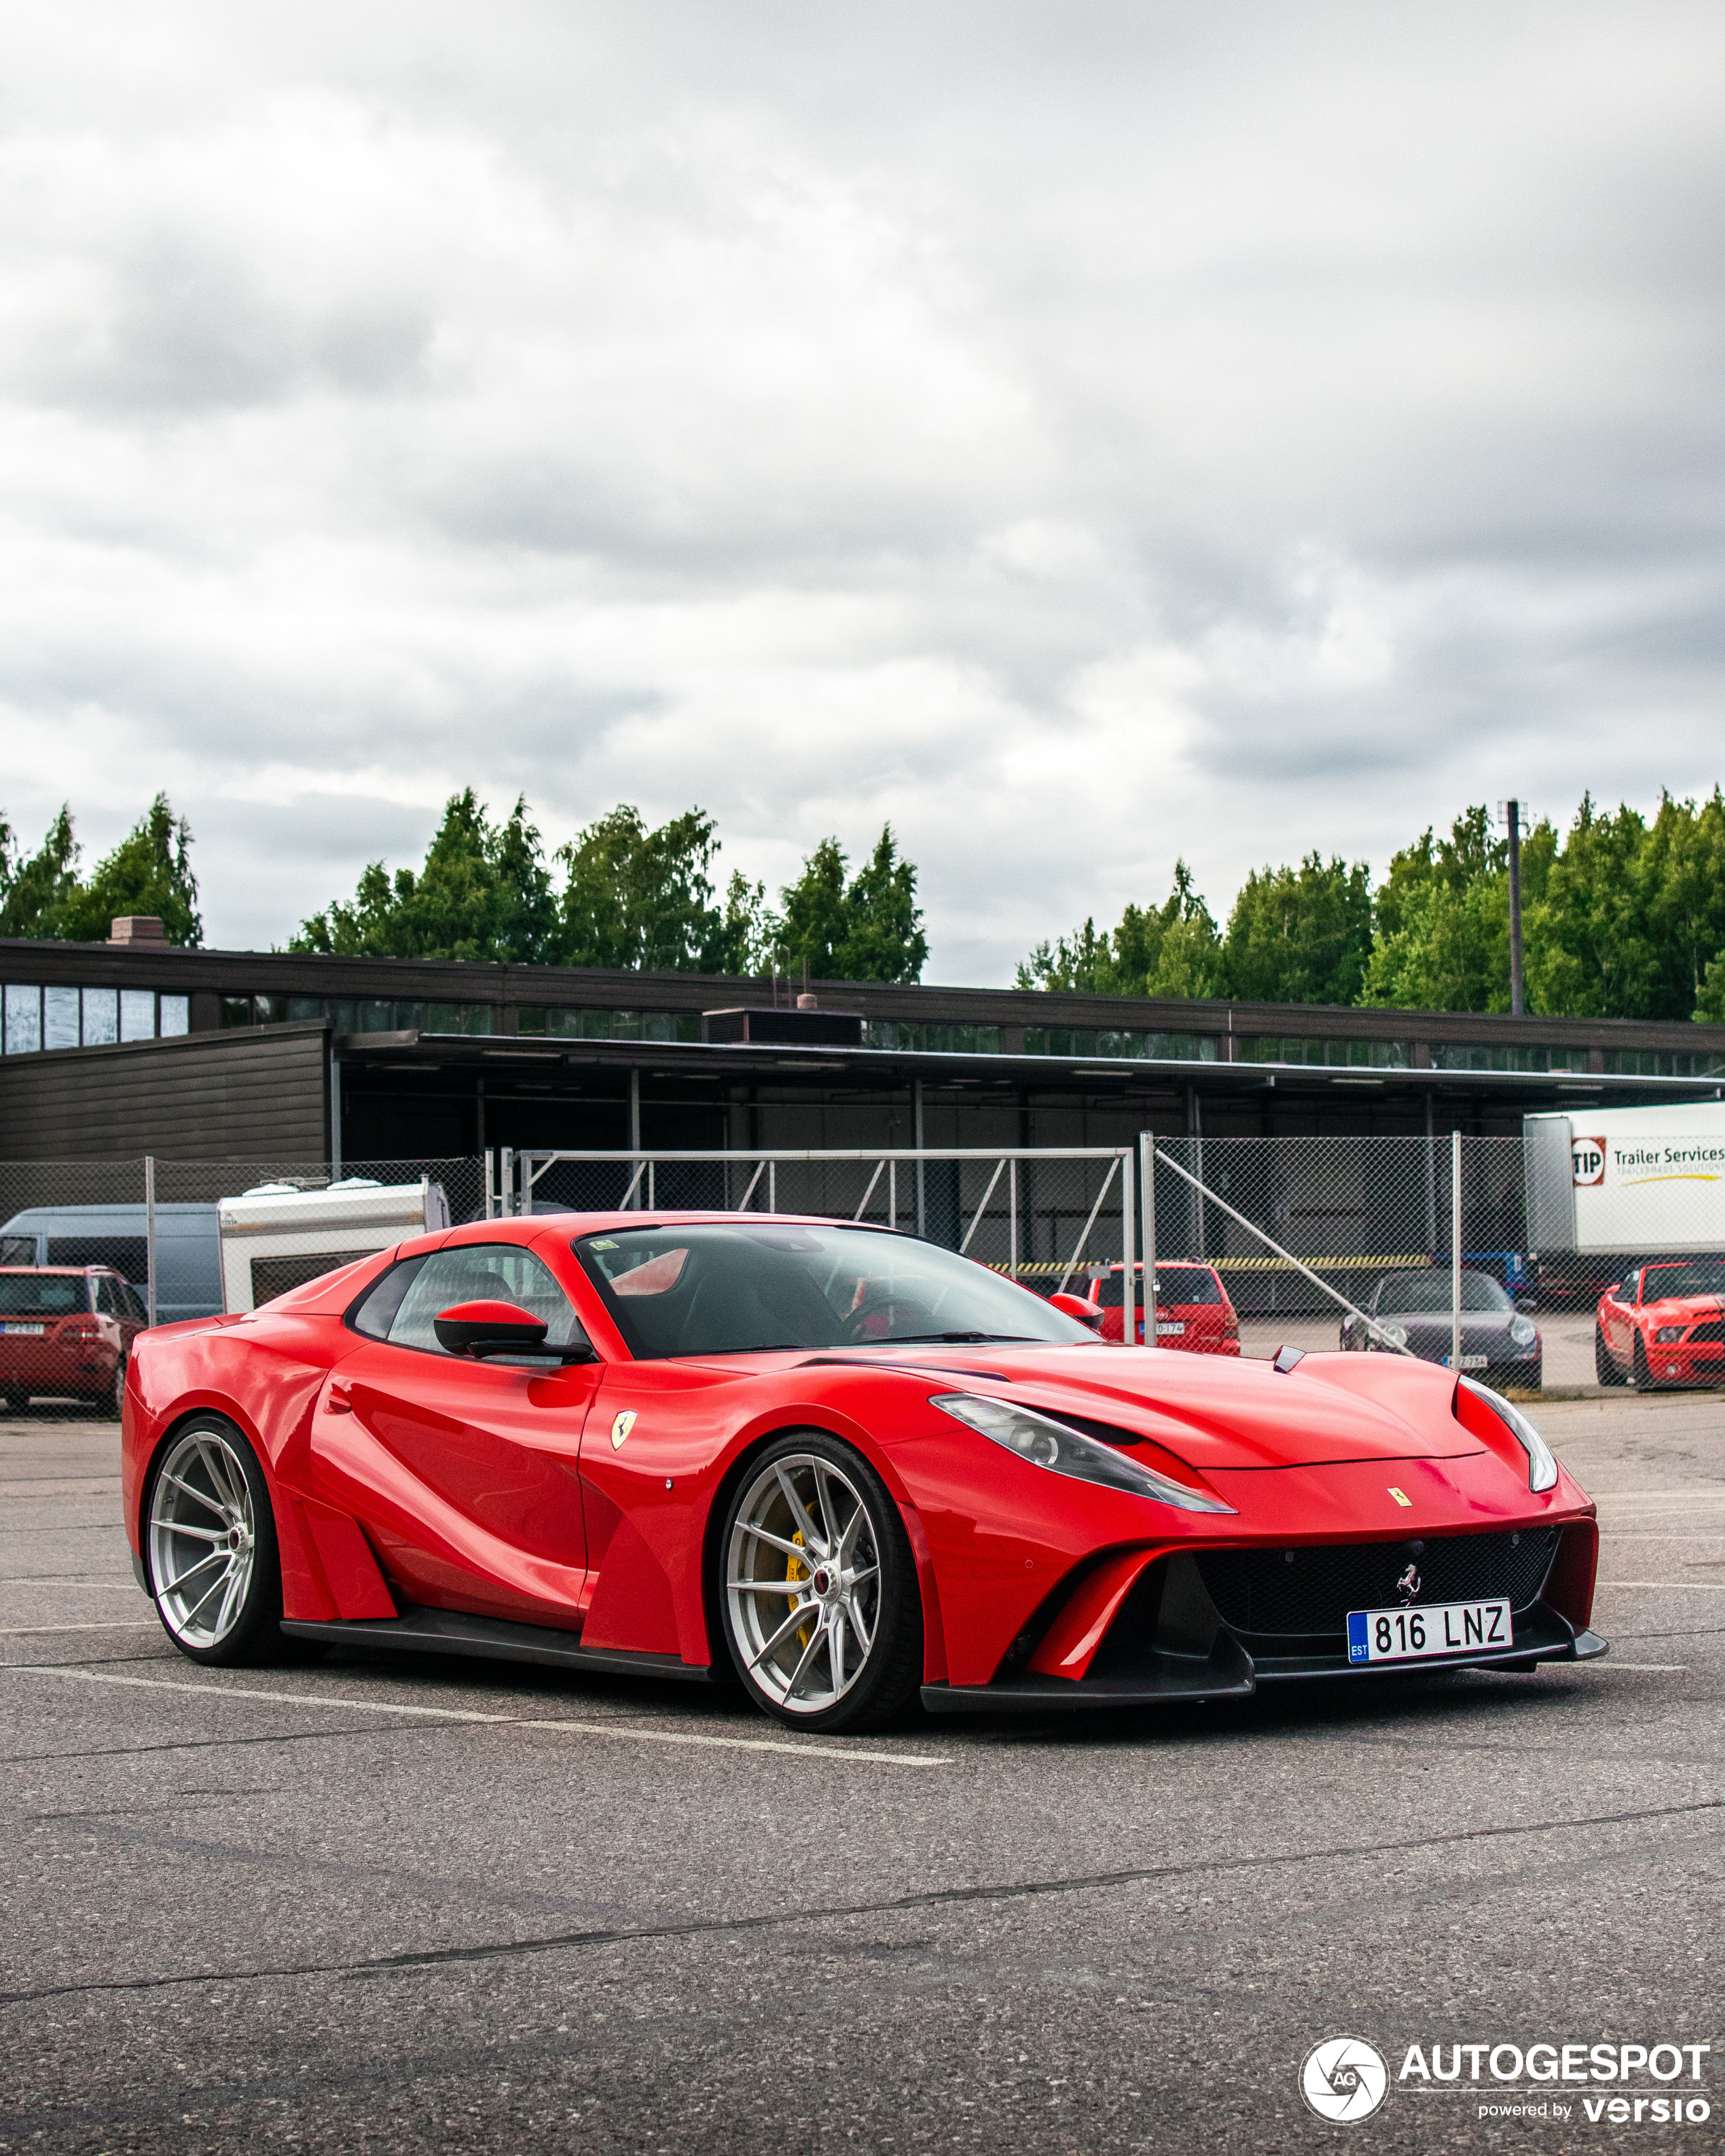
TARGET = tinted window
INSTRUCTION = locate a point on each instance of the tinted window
(1174, 1284)
(1688, 1276)
(716, 1290)
(106, 1301)
(377, 1309)
(482, 1272)
(17, 1249)
(1419, 1294)
(43, 1295)
(132, 1303)
(126, 1253)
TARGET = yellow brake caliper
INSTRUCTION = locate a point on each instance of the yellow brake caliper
(794, 1569)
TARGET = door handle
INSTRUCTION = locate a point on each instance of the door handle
(339, 1400)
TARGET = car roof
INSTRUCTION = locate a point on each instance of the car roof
(79, 1272)
(525, 1227)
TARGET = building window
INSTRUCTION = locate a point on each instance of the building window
(1496, 1055)
(1078, 1041)
(559, 1021)
(1663, 1063)
(1326, 1055)
(358, 1014)
(931, 1040)
(32, 1018)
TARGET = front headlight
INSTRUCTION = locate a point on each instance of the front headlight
(1542, 1467)
(1049, 1444)
(1523, 1333)
(1669, 1332)
(1396, 1336)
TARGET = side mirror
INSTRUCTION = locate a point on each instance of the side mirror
(1074, 1305)
(482, 1330)
(1612, 1287)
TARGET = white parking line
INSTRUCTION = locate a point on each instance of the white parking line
(1659, 1669)
(111, 1624)
(626, 1735)
(1706, 1586)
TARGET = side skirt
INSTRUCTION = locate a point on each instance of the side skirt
(495, 1639)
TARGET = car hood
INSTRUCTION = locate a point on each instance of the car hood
(1682, 1309)
(1426, 1321)
(1212, 1413)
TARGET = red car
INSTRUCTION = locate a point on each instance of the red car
(1663, 1323)
(65, 1333)
(1193, 1311)
(830, 1465)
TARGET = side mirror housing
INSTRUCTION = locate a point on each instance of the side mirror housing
(1527, 1303)
(1074, 1305)
(483, 1329)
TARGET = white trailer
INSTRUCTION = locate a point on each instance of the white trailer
(278, 1236)
(1626, 1182)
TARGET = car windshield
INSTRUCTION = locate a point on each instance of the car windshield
(1181, 1284)
(722, 1290)
(1414, 1295)
(43, 1295)
(1684, 1277)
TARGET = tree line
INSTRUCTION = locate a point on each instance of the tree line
(618, 894)
(1621, 917)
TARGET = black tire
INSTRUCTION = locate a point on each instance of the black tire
(16, 1403)
(1641, 1376)
(109, 1403)
(1606, 1368)
(880, 1692)
(252, 1633)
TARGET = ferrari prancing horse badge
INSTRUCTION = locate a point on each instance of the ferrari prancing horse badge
(620, 1429)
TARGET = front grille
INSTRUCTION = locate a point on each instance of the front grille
(1715, 1331)
(1307, 1593)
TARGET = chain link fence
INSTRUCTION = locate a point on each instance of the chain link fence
(1050, 1218)
(92, 1252)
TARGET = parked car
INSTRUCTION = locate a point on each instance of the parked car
(1192, 1312)
(1663, 1324)
(66, 1332)
(188, 1252)
(839, 1467)
(1500, 1341)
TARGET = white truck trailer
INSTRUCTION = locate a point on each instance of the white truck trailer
(1608, 1185)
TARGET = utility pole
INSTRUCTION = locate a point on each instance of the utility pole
(1512, 816)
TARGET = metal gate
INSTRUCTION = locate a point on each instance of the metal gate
(1039, 1214)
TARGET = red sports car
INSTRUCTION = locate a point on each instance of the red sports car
(832, 1464)
(1192, 1312)
(1662, 1324)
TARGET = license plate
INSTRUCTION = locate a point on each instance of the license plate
(1468, 1361)
(29, 1331)
(1440, 1628)
(1166, 1326)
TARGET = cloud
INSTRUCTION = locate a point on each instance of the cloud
(1080, 439)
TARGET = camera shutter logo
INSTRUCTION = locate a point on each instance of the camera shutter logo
(1344, 2079)
(1587, 1162)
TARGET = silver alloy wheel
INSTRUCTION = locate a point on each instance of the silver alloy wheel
(803, 1582)
(203, 1538)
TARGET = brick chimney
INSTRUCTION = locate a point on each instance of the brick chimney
(132, 929)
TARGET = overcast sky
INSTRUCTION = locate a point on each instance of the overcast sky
(1081, 434)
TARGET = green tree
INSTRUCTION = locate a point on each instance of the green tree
(483, 892)
(149, 871)
(867, 928)
(1170, 950)
(1681, 875)
(637, 898)
(34, 891)
(1300, 936)
(1591, 949)
(1442, 917)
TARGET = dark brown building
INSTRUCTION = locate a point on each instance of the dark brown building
(116, 1050)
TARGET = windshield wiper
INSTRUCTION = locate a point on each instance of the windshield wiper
(950, 1339)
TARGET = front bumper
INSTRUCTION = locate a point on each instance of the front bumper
(1145, 1630)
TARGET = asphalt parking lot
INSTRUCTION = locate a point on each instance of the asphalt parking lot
(385, 1905)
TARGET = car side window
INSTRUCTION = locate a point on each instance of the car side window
(107, 1301)
(482, 1272)
(132, 1303)
(375, 1312)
